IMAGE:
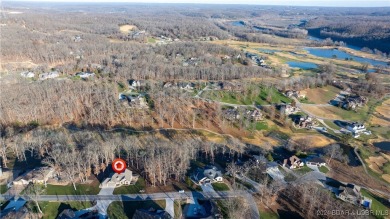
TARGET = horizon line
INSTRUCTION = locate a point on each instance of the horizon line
(309, 4)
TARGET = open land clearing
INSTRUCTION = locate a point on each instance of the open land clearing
(332, 112)
(382, 114)
(126, 28)
(375, 163)
(321, 95)
(314, 140)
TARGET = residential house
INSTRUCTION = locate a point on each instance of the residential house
(85, 74)
(67, 214)
(116, 180)
(137, 101)
(357, 128)
(293, 162)
(169, 84)
(304, 122)
(296, 94)
(254, 115)
(19, 213)
(287, 109)
(136, 84)
(188, 86)
(36, 176)
(231, 114)
(230, 86)
(77, 39)
(316, 161)
(207, 209)
(353, 102)
(209, 174)
(27, 74)
(347, 192)
(350, 193)
(49, 75)
(215, 85)
(151, 214)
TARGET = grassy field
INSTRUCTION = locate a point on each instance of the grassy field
(268, 215)
(258, 126)
(178, 208)
(332, 112)
(376, 204)
(151, 40)
(332, 124)
(133, 189)
(261, 97)
(3, 188)
(120, 210)
(323, 169)
(220, 187)
(303, 170)
(53, 209)
(82, 189)
(321, 95)
(381, 113)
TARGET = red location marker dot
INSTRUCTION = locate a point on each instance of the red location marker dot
(118, 165)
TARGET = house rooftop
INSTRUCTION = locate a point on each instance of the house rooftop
(316, 160)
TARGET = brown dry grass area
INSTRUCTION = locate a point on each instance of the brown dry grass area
(321, 95)
(375, 163)
(315, 140)
(11, 65)
(355, 175)
(126, 28)
(386, 177)
(381, 112)
(328, 112)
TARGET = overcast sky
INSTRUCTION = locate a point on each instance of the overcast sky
(345, 3)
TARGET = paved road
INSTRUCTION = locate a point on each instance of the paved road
(154, 196)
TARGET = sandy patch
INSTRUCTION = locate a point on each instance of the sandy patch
(126, 28)
(386, 177)
(375, 163)
(382, 114)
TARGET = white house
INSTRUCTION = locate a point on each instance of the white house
(85, 74)
(49, 75)
(316, 161)
(293, 162)
(117, 180)
(27, 74)
(356, 128)
(208, 175)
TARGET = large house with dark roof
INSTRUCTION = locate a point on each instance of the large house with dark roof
(209, 174)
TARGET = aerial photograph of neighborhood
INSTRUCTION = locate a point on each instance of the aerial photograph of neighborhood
(193, 109)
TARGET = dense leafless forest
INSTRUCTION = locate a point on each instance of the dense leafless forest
(164, 43)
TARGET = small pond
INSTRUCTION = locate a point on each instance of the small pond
(384, 145)
(335, 53)
(238, 23)
(302, 65)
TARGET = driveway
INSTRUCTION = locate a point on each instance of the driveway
(102, 205)
(169, 207)
(275, 174)
(207, 187)
(313, 167)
